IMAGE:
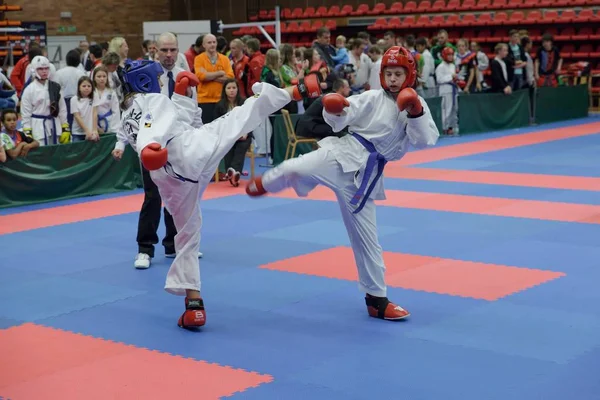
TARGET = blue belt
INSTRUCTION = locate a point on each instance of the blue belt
(104, 118)
(374, 158)
(44, 118)
(454, 91)
(172, 173)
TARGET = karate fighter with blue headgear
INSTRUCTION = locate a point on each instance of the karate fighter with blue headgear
(383, 124)
(182, 159)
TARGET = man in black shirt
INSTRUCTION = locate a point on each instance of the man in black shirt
(311, 124)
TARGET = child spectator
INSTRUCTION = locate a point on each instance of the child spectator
(107, 101)
(446, 77)
(67, 78)
(234, 159)
(13, 142)
(500, 82)
(341, 57)
(547, 63)
(43, 109)
(85, 112)
(466, 65)
(426, 69)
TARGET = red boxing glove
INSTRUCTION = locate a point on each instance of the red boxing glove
(409, 100)
(184, 80)
(334, 103)
(154, 157)
(307, 88)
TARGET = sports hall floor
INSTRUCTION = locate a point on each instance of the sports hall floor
(491, 240)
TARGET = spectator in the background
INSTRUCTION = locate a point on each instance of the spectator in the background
(111, 61)
(466, 66)
(442, 42)
(547, 63)
(389, 39)
(324, 48)
(107, 101)
(499, 69)
(270, 72)
(84, 48)
(222, 46)
(68, 78)
(149, 49)
(119, 45)
(195, 50)
(483, 63)
(366, 38)
(234, 159)
(362, 66)
(256, 62)
(312, 125)
(410, 44)
(529, 75)
(17, 76)
(95, 55)
(516, 61)
(341, 56)
(375, 54)
(85, 112)
(446, 77)
(12, 142)
(213, 69)
(426, 70)
(239, 63)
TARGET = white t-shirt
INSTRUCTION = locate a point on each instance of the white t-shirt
(67, 78)
(85, 108)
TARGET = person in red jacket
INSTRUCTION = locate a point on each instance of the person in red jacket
(17, 76)
(383, 124)
(256, 62)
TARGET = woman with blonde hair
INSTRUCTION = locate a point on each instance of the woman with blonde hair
(119, 45)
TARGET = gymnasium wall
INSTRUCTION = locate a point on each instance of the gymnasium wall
(99, 20)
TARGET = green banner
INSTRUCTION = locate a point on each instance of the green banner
(59, 172)
(435, 107)
(486, 112)
(281, 140)
(561, 103)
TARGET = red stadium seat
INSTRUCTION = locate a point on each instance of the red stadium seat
(484, 36)
(484, 19)
(321, 12)
(346, 10)
(409, 22)
(424, 6)
(516, 18)
(565, 34)
(583, 34)
(530, 3)
(584, 51)
(585, 15)
(305, 26)
(297, 13)
(334, 11)
(394, 23)
(468, 5)
(423, 21)
(395, 8)
(453, 5)
(309, 12)
(467, 20)
(500, 18)
(362, 9)
(533, 17)
(378, 9)
(499, 4)
(331, 24)
(410, 7)
(550, 16)
(595, 36)
(318, 24)
(567, 50)
(535, 34)
(513, 4)
(452, 20)
(566, 17)
(438, 5)
(596, 53)
(437, 21)
(483, 5)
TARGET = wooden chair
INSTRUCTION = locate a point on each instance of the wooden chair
(293, 140)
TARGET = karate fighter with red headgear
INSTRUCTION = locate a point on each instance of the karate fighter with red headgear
(383, 124)
(182, 159)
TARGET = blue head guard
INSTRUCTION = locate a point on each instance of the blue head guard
(141, 76)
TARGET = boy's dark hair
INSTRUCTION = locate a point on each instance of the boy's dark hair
(96, 51)
(73, 58)
(7, 111)
(421, 41)
(525, 41)
(34, 52)
(547, 37)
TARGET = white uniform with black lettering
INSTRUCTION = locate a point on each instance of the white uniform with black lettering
(340, 164)
(194, 154)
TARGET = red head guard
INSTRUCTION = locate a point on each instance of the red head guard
(397, 56)
(448, 54)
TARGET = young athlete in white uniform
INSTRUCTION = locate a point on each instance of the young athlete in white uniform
(43, 108)
(383, 123)
(182, 159)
